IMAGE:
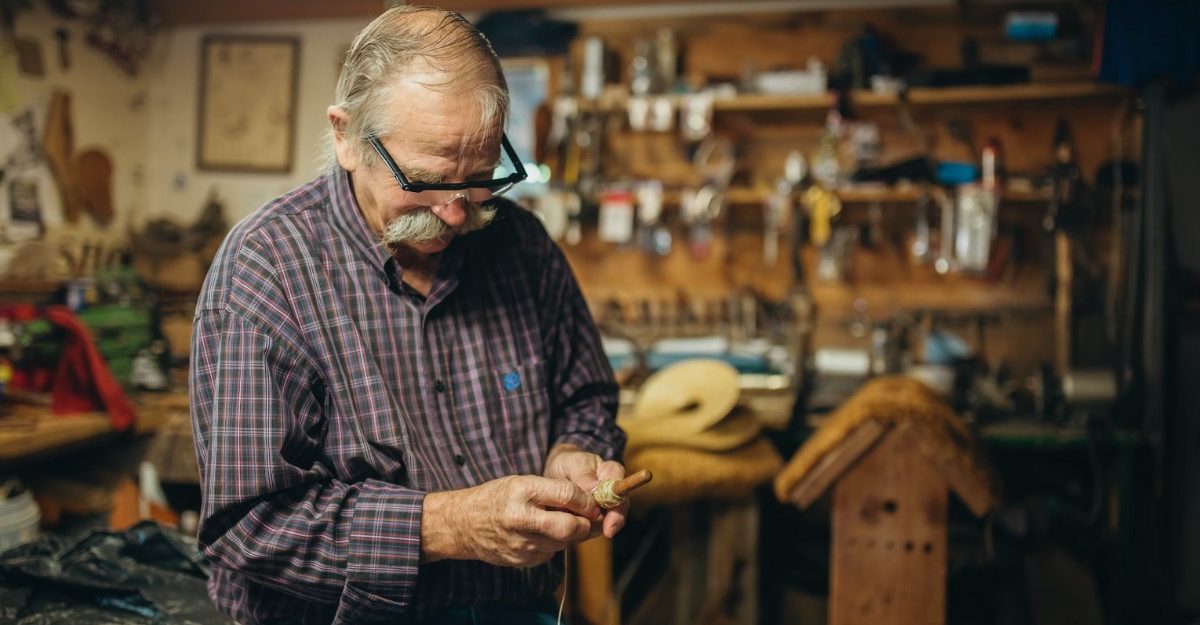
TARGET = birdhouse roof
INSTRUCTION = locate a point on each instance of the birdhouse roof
(853, 429)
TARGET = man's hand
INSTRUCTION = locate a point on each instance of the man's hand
(585, 470)
(512, 521)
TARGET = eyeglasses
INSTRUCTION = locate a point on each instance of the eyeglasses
(506, 175)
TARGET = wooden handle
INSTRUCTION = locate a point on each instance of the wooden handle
(632, 482)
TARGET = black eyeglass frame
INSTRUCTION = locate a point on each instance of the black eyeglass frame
(504, 183)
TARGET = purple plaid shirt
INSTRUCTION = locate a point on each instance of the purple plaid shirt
(328, 397)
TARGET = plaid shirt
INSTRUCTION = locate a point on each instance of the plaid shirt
(328, 397)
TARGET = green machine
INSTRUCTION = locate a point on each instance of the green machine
(119, 331)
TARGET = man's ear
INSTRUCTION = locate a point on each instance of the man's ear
(339, 121)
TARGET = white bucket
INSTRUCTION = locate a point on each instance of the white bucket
(19, 518)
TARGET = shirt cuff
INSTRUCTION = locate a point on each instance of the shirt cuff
(604, 447)
(384, 554)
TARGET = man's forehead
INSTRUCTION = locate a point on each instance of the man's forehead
(442, 125)
(421, 145)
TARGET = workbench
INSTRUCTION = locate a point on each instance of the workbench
(31, 433)
(1119, 454)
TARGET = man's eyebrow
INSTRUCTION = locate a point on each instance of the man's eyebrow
(426, 176)
(487, 170)
(419, 174)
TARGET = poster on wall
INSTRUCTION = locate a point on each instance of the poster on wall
(247, 103)
(25, 210)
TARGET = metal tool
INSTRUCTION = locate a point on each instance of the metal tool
(974, 227)
(703, 208)
(945, 261)
(921, 248)
(653, 235)
(778, 207)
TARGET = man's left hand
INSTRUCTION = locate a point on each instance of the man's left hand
(585, 469)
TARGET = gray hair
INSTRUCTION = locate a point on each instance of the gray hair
(406, 41)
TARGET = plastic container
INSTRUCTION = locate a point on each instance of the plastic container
(19, 519)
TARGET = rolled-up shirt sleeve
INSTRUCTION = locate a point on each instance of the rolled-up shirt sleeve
(584, 393)
(271, 510)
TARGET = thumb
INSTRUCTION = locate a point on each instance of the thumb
(564, 495)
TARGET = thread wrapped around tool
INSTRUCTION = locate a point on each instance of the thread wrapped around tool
(611, 493)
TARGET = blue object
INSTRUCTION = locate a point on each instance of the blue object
(944, 348)
(954, 172)
(1031, 26)
(512, 381)
(656, 361)
(744, 364)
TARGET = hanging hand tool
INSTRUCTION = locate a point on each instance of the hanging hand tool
(945, 260)
(921, 248)
(62, 35)
(778, 207)
(653, 236)
(1065, 188)
(702, 208)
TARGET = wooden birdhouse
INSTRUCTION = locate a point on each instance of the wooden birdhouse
(892, 454)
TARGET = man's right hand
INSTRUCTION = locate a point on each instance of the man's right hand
(517, 521)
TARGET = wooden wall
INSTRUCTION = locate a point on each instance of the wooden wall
(722, 49)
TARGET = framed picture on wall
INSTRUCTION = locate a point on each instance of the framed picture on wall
(247, 103)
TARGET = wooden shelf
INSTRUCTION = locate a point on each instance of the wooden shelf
(861, 195)
(29, 287)
(925, 96)
(29, 432)
(852, 195)
(1006, 94)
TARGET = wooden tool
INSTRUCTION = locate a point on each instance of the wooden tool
(93, 184)
(633, 482)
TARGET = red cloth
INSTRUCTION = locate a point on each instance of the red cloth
(82, 381)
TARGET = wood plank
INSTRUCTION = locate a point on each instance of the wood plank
(509, 5)
(183, 13)
(594, 598)
(918, 96)
(889, 538)
(1063, 292)
(732, 586)
(1011, 94)
(28, 432)
(687, 561)
(29, 287)
(179, 13)
(836, 462)
(744, 196)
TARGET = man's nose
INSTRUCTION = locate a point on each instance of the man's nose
(453, 211)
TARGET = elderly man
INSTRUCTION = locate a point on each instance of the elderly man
(399, 397)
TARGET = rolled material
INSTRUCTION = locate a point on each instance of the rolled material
(1089, 387)
(833, 361)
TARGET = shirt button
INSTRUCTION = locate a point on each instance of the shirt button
(439, 386)
(460, 459)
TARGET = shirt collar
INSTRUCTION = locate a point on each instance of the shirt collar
(347, 216)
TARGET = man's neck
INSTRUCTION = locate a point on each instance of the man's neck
(417, 270)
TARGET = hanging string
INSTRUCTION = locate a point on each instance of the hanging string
(566, 576)
(605, 496)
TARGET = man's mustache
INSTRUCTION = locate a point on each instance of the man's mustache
(422, 226)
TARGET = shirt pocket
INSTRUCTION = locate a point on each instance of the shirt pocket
(520, 409)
